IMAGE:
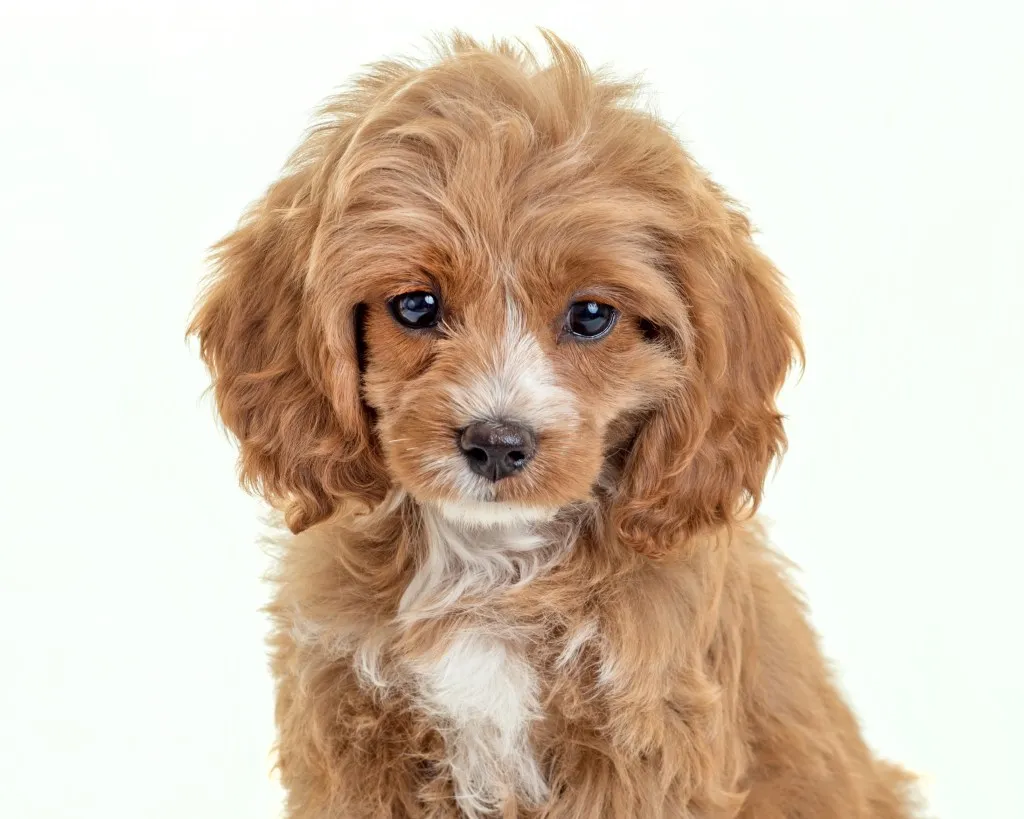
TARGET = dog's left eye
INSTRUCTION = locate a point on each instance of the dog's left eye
(417, 310)
(590, 319)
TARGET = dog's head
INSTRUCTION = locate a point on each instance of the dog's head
(492, 283)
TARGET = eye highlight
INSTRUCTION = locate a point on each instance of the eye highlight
(590, 319)
(418, 310)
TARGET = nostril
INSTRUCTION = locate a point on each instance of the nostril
(477, 454)
(516, 457)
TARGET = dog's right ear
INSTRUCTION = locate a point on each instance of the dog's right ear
(292, 402)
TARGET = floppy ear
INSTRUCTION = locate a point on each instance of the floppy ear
(293, 404)
(702, 457)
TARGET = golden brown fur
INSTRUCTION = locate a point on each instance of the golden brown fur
(675, 672)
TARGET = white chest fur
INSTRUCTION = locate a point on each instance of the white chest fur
(481, 692)
(483, 695)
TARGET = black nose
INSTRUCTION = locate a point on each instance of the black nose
(496, 449)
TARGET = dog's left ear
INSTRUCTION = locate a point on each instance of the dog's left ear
(701, 459)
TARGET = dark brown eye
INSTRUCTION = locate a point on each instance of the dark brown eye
(590, 319)
(418, 310)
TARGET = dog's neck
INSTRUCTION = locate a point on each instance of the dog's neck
(460, 558)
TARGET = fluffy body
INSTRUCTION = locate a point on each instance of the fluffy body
(606, 633)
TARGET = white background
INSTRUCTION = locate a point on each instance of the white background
(878, 146)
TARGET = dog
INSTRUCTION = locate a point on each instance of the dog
(505, 360)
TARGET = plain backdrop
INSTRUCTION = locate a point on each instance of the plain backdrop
(878, 147)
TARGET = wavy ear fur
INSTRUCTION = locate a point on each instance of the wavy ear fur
(293, 404)
(702, 457)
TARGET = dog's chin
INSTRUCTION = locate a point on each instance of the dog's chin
(477, 514)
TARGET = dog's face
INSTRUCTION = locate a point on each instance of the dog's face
(490, 284)
(502, 380)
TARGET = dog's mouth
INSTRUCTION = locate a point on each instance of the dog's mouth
(493, 512)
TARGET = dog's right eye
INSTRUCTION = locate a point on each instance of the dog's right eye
(418, 310)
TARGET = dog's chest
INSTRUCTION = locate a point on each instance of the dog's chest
(482, 695)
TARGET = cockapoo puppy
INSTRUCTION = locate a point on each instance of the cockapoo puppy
(506, 360)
